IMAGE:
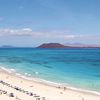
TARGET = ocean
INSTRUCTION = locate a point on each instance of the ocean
(78, 67)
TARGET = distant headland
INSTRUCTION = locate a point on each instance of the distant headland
(55, 45)
(7, 46)
(58, 45)
(51, 45)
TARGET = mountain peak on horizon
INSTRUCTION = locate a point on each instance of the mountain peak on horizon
(58, 45)
(51, 45)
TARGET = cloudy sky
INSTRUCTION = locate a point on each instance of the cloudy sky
(32, 22)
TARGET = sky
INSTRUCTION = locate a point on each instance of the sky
(30, 23)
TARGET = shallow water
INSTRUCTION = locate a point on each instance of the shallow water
(73, 67)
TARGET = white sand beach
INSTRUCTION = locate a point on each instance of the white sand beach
(30, 90)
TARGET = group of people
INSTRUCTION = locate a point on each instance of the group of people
(20, 90)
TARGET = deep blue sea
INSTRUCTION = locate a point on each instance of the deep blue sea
(73, 67)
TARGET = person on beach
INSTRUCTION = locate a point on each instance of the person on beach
(65, 88)
(83, 98)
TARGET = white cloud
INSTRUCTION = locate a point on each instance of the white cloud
(51, 35)
(24, 31)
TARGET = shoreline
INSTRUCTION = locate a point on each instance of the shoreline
(47, 83)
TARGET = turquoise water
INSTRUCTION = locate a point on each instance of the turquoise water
(74, 67)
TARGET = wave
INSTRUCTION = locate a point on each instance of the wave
(28, 76)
